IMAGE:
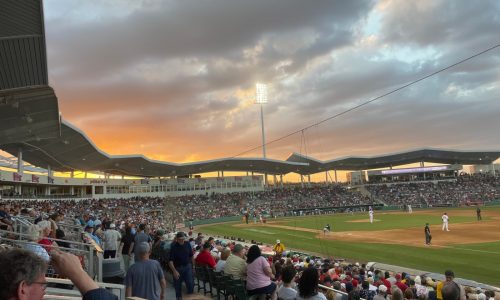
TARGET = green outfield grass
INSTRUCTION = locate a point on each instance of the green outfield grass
(479, 262)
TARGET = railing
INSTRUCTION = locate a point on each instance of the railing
(58, 293)
(22, 224)
(334, 290)
(91, 259)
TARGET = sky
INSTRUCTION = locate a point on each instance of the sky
(175, 80)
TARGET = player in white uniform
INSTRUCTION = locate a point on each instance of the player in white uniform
(445, 218)
(410, 210)
(370, 213)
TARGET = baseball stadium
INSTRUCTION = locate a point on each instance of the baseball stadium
(91, 223)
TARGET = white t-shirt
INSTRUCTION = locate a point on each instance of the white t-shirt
(287, 293)
(111, 239)
(318, 296)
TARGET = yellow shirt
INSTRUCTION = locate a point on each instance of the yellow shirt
(439, 287)
(279, 248)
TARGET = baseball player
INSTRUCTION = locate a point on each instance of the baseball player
(445, 218)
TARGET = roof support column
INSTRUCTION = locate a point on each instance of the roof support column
(422, 164)
(302, 180)
(49, 171)
(281, 180)
(266, 183)
(72, 175)
(326, 177)
(493, 166)
(274, 181)
(308, 179)
(85, 175)
(20, 164)
(335, 171)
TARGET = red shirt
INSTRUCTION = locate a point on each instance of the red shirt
(401, 286)
(46, 243)
(205, 259)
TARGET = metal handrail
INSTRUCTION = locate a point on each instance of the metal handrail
(334, 290)
(118, 287)
(88, 250)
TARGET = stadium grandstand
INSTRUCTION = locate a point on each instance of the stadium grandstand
(50, 216)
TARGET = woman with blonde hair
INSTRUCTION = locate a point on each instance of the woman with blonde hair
(34, 233)
(44, 240)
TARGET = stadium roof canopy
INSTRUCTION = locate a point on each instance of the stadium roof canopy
(30, 120)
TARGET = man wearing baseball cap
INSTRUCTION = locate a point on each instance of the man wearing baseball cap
(279, 248)
(181, 264)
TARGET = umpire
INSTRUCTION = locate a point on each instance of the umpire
(428, 236)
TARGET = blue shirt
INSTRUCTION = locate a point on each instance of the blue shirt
(144, 278)
(181, 254)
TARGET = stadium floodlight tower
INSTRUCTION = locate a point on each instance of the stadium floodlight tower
(261, 98)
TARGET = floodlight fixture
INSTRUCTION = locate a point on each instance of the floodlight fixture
(261, 93)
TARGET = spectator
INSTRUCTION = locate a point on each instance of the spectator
(26, 276)
(382, 293)
(5, 219)
(126, 248)
(111, 241)
(219, 267)
(34, 233)
(278, 249)
(236, 264)
(145, 278)
(450, 278)
(365, 292)
(353, 295)
(141, 236)
(287, 290)
(259, 274)
(397, 294)
(204, 258)
(450, 291)
(181, 264)
(45, 241)
(408, 294)
(308, 285)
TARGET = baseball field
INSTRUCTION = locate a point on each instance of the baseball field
(471, 248)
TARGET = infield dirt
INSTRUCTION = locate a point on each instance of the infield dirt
(461, 233)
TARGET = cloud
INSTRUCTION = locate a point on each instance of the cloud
(174, 79)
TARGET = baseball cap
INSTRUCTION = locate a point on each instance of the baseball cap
(278, 241)
(112, 225)
(180, 235)
(382, 288)
(449, 273)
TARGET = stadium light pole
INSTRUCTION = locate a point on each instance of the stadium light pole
(261, 98)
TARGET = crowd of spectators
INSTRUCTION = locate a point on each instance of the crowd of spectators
(122, 227)
(466, 189)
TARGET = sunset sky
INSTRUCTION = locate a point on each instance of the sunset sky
(175, 80)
